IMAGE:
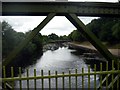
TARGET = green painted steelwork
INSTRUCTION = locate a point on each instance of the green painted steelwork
(88, 77)
(100, 76)
(56, 80)
(69, 80)
(34, 32)
(90, 36)
(61, 75)
(61, 8)
(57, 77)
(28, 80)
(35, 79)
(50, 80)
(20, 75)
(70, 10)
(95, 77)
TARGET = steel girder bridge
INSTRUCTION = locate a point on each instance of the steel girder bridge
(71, 10)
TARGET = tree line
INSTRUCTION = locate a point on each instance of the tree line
(11, 38)
(106, 29)
(29, 54)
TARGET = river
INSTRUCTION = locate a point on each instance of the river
(61, 60)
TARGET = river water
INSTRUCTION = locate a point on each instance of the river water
(61, 60)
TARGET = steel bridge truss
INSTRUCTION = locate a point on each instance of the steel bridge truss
(71, 11)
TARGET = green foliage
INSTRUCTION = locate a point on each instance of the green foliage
(95, 26)
(8, 38)
(106, 33)
(64, 37)
(106, 29)
(116, 31)
(45, 39)
(11, 38)
(53, 37)
(76, 36)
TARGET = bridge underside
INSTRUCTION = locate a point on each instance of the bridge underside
(68, 9)
(61, 8)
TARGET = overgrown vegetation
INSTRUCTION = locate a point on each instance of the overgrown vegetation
(34, 49)
(106, 29)
(11, 38)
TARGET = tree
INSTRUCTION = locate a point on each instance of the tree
(8, 38)
(106, 29)
(53, 36)
(106, 32)
(64, 37)
(116, 31)
(95, 26)
(76, 36)
(11, 38)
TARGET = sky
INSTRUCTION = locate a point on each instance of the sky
(58, 25)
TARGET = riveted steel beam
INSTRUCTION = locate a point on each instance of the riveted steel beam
(61, 8)
(34, 32)
(90, 36)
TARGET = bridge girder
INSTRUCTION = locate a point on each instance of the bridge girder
(61, 8)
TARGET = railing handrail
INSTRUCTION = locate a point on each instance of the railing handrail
(60, 75)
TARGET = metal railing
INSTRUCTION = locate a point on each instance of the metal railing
(107, 79)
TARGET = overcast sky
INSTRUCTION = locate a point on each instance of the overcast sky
(58, 25)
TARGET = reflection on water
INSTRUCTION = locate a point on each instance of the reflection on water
(61, 60)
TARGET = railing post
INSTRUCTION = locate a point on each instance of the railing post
(42, 79)
(107, 76)
(112, 74)
(12, 76)
(35, 87)
(20, 81)
(56, 80)
(76, 78)
(49, 80)
(88, 77)
(100, 76)
(82, 78)
(118, 81)
(27, 80)
(69, 80)
(63, 82)
(4, 75)
(95, 77)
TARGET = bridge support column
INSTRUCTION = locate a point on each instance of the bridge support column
(34, 32)
(90, 36)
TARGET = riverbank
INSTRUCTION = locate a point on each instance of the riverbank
(89, 46)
